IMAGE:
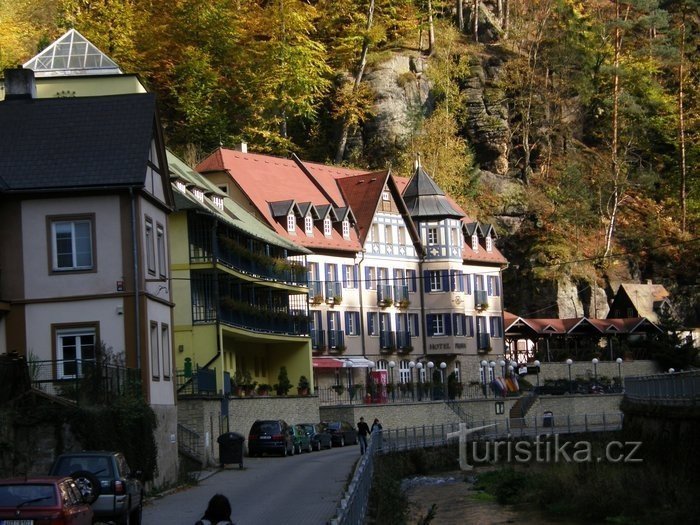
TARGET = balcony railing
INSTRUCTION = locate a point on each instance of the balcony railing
(318, 339)
(265, 320)
(403, 341)
(336, 340)
(387, 340)
(481, 299)
(384, 295)
(483, 342)
(333, 291)
(315, 292)
(84, 381)
(401, 293)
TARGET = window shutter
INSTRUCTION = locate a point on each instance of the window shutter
(467, 279)
(470, 325)
(489, 285)
(347, 323)
(429, 321)
(445, 281)
(453, 283)
(464, 324)
(368, 284)
(328, 320)
(356, 315)
(355, 275)
(455, 320)
(448, 325)
(498, 286)
(370, 326)
(345, 275)
(327, 271)
(413, 280)
(426, 281)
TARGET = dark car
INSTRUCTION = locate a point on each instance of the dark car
(301, 439)
(272, 436)
(342, 433)
(318, 435)
(49, 499)
(106, 481)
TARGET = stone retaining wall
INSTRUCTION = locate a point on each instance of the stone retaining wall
(584, 370)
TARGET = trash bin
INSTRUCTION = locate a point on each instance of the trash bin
(230, 448)
(548, 419)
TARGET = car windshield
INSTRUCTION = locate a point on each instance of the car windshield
(99, 466)
(333, 426)
(27, 495)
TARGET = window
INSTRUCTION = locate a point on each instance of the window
(372, 323)
(224, 188)
(433, 236)
(439, 324)
(494, 285)
(165, 348)
(72, 244)
(375, 232)
(489, 243)
(155, 358)
(469, 332)
(402, 236)
(349, 276)
(291, 223)
(458, 371)
(346, 229)
(388, 237)
(475, 242)
(386, 196)
(352, 323)
(327, 227)
(413, 325)
(160, 241)
(459, 324)
(435, 279)
(218, 202)
(453, 237)
(198, 194)
(75, 347)
(370, 278)
(404, 371)
(150, 250)
(411, 278)
(308, 225)
(496, 326)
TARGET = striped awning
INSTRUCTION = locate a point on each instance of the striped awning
(328, 362)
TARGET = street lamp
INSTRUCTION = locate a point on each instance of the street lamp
(392, 364)
(411, 366)
(671, 370)
(595, 369)
(537, 364)
(503, 367)
(569, 362)
(484, 364)
(431, 365)
(443, 365)
(370, 379)
(619, 371)
(419, 366)
(492, 365)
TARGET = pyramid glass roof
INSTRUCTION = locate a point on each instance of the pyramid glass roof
(72, 54)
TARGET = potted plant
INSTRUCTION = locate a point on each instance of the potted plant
(303, 386)
(237, 383)
(403, 304)
(316, 299)
(338, 389)
(354, 389)
(283, 384)
(337, 299)
(263, 389)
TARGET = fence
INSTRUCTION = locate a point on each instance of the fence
(355, 500)
(399, 393)
(675, 388)
(84, 381)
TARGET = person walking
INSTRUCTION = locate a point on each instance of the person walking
(218, 512)
(362, 433)
(377, 434)
(376, 425)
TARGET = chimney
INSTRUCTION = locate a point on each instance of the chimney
(649, 281)
(243, 147)
(19, 83)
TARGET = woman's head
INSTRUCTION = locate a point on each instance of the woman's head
(219, 508)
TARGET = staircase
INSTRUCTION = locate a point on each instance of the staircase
(519, 410)
(456, 407)
(189, 444)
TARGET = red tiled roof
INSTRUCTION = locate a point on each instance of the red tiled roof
(362, 193)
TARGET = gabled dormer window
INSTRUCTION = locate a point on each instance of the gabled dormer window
(198, 194)
(489, 243)
(218, 202)
(308, 225)
(346, 229)
(327, 227)
(181, 186)
(291, 223)
(475, 242)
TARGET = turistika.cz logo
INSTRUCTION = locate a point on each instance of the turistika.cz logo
(547, 450)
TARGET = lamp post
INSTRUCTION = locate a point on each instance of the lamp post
(569, 362)
(595, 369)
(430, 365)
(443, 365)
(484, 366)
(503, 367)
(411, 366)
(492, 365)
(671, 370)
(419, 366)
(619, 371)
(537, 364)
(392, 364)
(370, 379)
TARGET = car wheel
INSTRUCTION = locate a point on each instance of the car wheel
(88, 484)
(284, 451)
(342, 441)
(318, 446)
(126, 518)
(309, 448)
(291, 453)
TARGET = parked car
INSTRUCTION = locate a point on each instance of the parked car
(270, 436)
(49, 499)
(342, 433)
(301, 439)
(318, 435)
(106, 482)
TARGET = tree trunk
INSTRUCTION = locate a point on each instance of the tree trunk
(345, 129)
(506, 18)
(460, 15)
(476, 20)
(431, 30)
(681, 129)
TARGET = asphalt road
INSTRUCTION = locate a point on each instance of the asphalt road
(303, 488)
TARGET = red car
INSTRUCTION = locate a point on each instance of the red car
(49, 500)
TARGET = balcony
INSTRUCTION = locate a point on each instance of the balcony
(315, 292)
(334, 292)
(387, 341)
(318, 340)
(336, 341)
(260, 319)
(401, 296)
(483, 343)
(384, 295)
(481, 300)
(403, 342)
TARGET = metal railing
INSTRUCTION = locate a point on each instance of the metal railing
(189, 442)
(318, 339)
(384, 294)
(334, 290)
(403, 340)
(336, 339)
(398, 393)
(676, 388)
(387, 340)
(84, 381)
(200, 381)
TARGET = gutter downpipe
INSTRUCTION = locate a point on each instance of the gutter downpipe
(137, 292)
(362, 308)
(422, 306)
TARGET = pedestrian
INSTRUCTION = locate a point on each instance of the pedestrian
(376, 425)
(377, 434)
(218, 512)
(362, 433)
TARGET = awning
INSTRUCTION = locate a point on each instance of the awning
(327, 362)
(358, 362)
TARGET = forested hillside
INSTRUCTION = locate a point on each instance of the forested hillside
(571, 125)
